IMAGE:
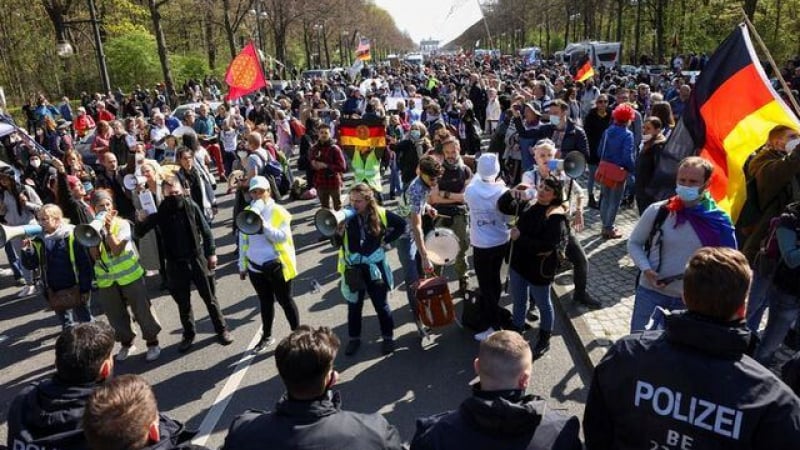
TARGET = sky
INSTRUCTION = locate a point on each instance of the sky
(438, 19)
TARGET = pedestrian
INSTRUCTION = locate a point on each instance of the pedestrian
(363, 266)
(268, 258)
(328, 163)
(19, 205)
(616, 153)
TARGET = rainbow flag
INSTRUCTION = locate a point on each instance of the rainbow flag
(585, 72)
(362, 135)
(730, 113)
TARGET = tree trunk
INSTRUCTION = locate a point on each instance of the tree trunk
(778, 13)
(226, 6)
(327, 51)
(620, 4)
(750, 9)
(566, 26)
(306, 44)
(660, 7)
(161, 42)
(211, 47)
(637, 32)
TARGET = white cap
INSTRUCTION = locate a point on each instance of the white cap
(488, 167)
(258, 182)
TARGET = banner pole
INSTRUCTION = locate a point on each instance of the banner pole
(772, 64)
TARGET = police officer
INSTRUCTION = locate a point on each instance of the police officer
(189, 250)
(448, 199)
(638, 400)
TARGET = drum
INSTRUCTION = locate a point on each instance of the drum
(442, 245)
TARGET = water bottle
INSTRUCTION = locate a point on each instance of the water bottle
(315, 287)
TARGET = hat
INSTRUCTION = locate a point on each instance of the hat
(488, 167)
(533, 106)
(73, 181)
(258, 182)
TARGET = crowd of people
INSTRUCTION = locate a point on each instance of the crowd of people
(144, 183)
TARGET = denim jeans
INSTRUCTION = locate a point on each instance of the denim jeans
(409, 260)
(590, 181)
(783, 311)
(644, 307)
(519, 288)
(377, 293)
(71, 317)
(395, 186)
(13, 260)
(609, 205)
(757, 302)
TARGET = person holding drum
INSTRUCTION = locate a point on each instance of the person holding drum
(363, 264)
(539, 236)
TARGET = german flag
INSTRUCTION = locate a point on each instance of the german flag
(585, 72)
(363, 50)
(731, 110)
(363, 135)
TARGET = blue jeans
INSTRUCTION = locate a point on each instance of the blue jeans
(757, 302)
(609, 205)
(644, 305)
(13, 260)
(590, 181)
(407, 251)
(395, 186)
(377, 293)
(71, 317)
(783, 311)
(519, 288)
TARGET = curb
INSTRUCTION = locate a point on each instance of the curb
(592, 349)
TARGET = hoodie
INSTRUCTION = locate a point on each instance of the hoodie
(487, 225)
(498, 419)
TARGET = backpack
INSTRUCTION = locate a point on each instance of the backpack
(654, 238)
(434, 303)
(298, 130)
(471, 316)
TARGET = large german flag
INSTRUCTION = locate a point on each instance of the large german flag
(585, 72)
(730, 113)
(362, 135)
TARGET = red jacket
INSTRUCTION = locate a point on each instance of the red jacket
(330, 154)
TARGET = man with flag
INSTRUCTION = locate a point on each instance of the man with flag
(364, 141)
(245, 73)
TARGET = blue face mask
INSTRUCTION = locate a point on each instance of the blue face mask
(688, 193)
(555, 120)
(414, 134)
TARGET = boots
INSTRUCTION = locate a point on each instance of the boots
(593, 204)
(542, 344)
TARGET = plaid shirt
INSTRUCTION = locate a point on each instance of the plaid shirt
(329, 178)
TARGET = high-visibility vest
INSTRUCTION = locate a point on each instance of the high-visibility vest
(367, 171)
(122, 269)
(342, 260)
(38, 247)
(285, 249)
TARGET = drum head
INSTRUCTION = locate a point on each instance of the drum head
(442, 245)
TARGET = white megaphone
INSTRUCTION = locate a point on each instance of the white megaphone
(249, 222)
(132, 181)
(574, 164)
(10, 233)
(326, 220)
(91, 234)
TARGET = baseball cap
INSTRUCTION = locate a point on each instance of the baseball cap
(258, 182)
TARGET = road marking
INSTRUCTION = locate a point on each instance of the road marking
(226, 394)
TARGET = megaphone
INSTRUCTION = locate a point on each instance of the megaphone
(91, 234)
(574, 164)
(326, 220)
(131, 181)
(249, 222)
(10, 233)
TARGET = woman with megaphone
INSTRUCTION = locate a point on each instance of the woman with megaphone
(363, 266)
(267, 255)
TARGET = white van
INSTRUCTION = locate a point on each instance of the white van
(600, 53)
(415, 59)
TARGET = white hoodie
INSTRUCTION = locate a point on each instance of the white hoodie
(487, 224)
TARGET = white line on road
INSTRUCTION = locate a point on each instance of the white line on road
(226, 394)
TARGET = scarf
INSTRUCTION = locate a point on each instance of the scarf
(712, 225)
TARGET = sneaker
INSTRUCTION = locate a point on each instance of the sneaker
(185, 344)
(480, 337)
(265, 342)
(531, 316)
(21, 281)
(6, 272)
(153, 352)
(225, 338)
(26, 291)
(387, 346)
(125, 352)
(352, 347)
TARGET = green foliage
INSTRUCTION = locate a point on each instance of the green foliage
(132, 59)
(192, 65)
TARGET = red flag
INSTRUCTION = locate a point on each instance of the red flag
(244, 74)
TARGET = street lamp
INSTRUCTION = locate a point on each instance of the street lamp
(64, 49)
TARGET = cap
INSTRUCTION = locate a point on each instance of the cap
(534, 107)
(258, 182)
(73, 181)
(488, 167)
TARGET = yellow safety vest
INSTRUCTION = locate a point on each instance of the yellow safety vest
(123, 269)
(37, 245)
(367, 171)
(285, 249)
(342, 263)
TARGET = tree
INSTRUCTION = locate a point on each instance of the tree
(234, 19)
(163, 54)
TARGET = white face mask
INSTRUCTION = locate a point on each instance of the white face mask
(35, 163)
(792, 144)
(646, 137)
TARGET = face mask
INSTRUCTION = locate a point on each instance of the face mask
(688, 193)
(646, 137)
(791, 145)
(139, 158)
(36, 163)
(555, 120)
(414, 134)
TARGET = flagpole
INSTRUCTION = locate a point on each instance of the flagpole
(774, 66)
(486, 24)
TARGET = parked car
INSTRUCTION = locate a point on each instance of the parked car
(180, 111)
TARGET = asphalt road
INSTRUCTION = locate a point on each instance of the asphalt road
(417, 380)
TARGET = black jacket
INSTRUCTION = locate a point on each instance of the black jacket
(506, 420)
(574, 139)
(48, 414)
(315, 424)
(594, 126)
(179, 226)
(694, 381)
